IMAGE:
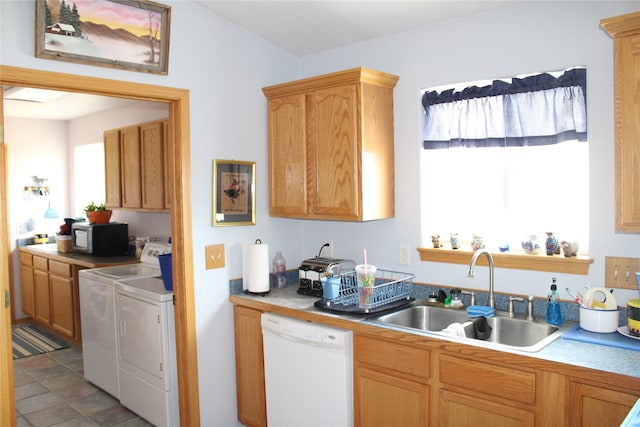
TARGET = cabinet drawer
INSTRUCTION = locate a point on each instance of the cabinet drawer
(60, 269)
(26, 259)
(400, 358)
(511, 384)
(40, 263)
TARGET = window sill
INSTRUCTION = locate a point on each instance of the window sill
(516, 260)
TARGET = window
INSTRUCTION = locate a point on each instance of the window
(506, 191)
(89, 185)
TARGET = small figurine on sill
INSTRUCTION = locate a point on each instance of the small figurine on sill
(437, 243)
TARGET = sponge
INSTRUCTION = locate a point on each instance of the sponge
(479, 310)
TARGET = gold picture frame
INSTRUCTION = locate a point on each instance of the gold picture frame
(234, 197)
(125, 34)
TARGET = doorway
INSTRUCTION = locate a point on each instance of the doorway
(181, 231)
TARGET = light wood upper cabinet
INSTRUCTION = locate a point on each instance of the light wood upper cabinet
(152, 161)
(111, 141)
(136, 167)
(130, 163)
(331, 150)
(625, 30)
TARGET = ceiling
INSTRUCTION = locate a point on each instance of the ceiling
(305, 27)
(302, 27)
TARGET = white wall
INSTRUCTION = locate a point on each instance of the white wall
(36, 147)
(528, 37)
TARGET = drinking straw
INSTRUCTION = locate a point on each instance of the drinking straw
(365, 256)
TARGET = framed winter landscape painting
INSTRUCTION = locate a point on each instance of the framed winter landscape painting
(125, 34)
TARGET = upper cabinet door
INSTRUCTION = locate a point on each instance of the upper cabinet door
(112, 168)
(288, 166)
(335, 151)
(130, 158)
(152, 157)
(626, 32)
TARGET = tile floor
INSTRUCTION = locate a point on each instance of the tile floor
(51, 391)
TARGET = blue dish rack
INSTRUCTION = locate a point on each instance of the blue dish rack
(391, 289)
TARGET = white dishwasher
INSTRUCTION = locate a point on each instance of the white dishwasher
(308, 373)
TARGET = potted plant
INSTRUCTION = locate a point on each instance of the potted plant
(97, 214)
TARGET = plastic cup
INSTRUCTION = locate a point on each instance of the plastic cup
(366, 281)
(330, 287)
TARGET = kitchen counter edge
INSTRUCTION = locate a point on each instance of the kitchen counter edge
(83, 260)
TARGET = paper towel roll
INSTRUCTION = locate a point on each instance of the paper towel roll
(255, 268)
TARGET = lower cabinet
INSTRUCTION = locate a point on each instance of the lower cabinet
(41, 290)
(61, 296)
(27, 286)
(391, 383)
(457, 409)
(428, 383)
(49, 293)
(598, 406)
(252, 405)
(476, 393)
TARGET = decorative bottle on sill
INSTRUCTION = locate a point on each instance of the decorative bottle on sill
(279, 268)
(552, 245)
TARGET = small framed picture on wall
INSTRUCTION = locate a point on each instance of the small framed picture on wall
(234, 199)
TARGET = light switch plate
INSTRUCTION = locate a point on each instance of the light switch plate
(621, 272)
(214, 256)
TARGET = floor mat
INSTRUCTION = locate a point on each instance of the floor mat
(28, 340)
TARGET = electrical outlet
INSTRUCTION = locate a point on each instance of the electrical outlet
(214, 256)
(403, 255)
(328, 250)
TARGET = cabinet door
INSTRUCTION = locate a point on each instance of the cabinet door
(335, 152)
(62, 305)
(252, 406)
(288, 167)
(42, 298)
(131, 185)
(112, 168)
(596, 406)
(61, 287)
(27, 291)
(627, 81)
(152, 170)
(459, 410)
(385, 400)
(168, 163)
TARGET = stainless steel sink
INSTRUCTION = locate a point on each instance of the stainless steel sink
(506, 332)
(423, 317)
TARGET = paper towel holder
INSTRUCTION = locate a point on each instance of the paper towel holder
(250, 275)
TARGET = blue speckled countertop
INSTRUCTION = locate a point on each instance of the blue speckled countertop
(594, 356)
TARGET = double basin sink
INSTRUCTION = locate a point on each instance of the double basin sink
(504, 332)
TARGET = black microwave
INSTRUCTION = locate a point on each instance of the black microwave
(100, 239)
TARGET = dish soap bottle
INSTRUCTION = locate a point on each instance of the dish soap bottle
(279, 267)
(554, 316)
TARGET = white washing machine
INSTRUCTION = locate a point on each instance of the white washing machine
(147, 366)
(97, 315)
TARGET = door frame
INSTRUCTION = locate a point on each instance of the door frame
(181, 229)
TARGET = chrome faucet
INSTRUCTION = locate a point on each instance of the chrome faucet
(472, 273)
